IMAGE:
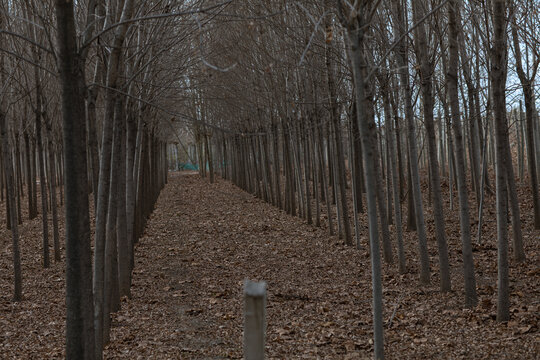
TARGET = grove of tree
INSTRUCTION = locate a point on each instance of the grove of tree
(368, 119)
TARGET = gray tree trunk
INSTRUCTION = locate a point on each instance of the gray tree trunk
(111, 298)
(10, 198)
(30, 183)
(498, 84)
(123, 242)
(390, 138)
(527, 85)
(452, 81)
(357, 41)
(426, 71)
(52, 190)
(339, 160)
(130, 187)
(401, 58)
(519, 252)
(42, 178)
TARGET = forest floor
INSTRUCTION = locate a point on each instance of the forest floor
(204, 239)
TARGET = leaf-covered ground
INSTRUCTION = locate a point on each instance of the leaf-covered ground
(204, 239)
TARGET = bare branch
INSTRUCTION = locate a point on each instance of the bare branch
(20, 36)
(152, 17)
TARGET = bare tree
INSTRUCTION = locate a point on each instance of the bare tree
(79, 297)
(452, 79)
(498, 85)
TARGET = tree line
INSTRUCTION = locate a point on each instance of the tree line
(383, 93)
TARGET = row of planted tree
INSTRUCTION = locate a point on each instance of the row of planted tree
(383, 93)
(137, 173)
(63, 137)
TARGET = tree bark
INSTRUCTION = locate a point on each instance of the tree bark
(10, 198)
(367, 125)
(452, 81)
(426, 71)
(79, 297)
(339, 160)
(528, 95)
(498, 84)
(52, 191)
(42, 178)
(390, 138)
(30, 183)
(401, 57)
(105, 173)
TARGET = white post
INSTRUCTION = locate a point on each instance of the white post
(254, 319)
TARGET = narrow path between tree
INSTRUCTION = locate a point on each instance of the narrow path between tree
(204, 239)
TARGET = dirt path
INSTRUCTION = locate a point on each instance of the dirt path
(204, 239)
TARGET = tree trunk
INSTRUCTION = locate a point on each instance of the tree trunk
(93, 141)
(123, 242)
(426, 71)
(528, 94)
(394, 179)
(519, 252)
(18, 178)
(79, 297)
(339, 160)
(360, 66)
(42, 180)
(401, 57)
(307, 171)
(357, 160)
(10, 198)
(30, 183)
(130, 188)
(498, 83)
(111, 298)
(52, 189)
(452, 80)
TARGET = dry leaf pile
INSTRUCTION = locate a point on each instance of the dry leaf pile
(204, 239)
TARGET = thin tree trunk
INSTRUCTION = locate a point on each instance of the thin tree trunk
(18, 178)
(519, 252)
(340, 161)
(123, 242)
(52, 187)
(482, 183)
(426, 70)
(413, 152)
(307, 171)
(498, 83)
(395, 183)
(34, 175)
(130, 188)
(452, 80)
(356, 38)
(42, 181)
(10, 198)
(316, 170)
(209, 156)
(357, 160)
(528, 94)
(92, 139)
(111, 294)
(29, 181)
